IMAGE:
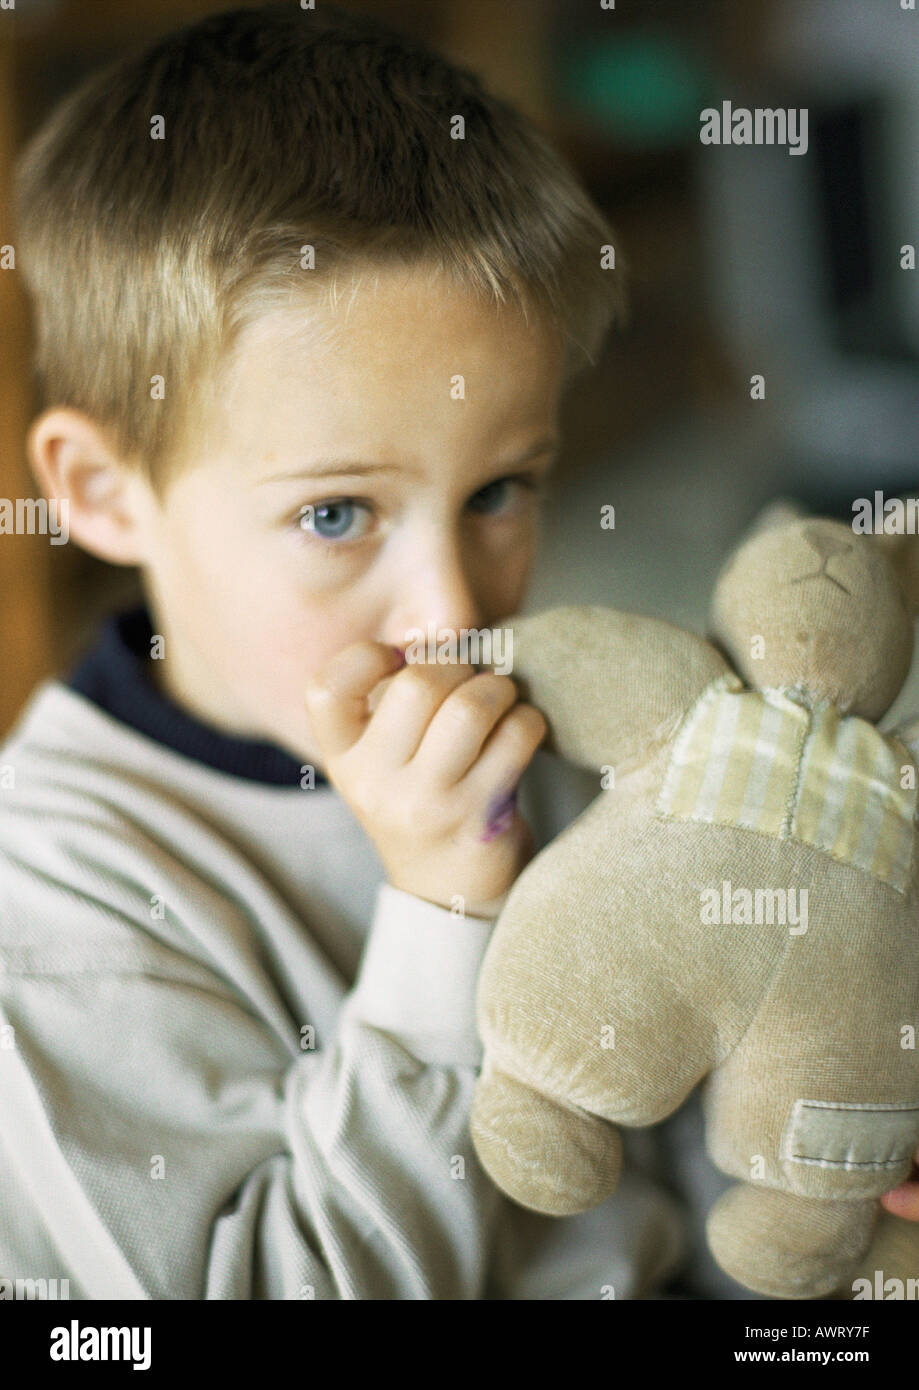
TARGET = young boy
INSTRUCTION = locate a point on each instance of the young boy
(306, 300)
(301, 351)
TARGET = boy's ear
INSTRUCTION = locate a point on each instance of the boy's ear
(73, 461)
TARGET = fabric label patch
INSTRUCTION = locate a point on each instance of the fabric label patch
(764, 761)
(840, 1134)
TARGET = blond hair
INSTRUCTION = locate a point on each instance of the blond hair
(283, 128)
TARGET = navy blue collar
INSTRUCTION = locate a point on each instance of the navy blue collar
(114, 673)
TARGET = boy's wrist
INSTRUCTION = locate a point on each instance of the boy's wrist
(458, 907)
(418, 977)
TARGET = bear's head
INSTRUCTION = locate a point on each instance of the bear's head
(806, 604)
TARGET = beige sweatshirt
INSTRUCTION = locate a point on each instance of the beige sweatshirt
(235, 1063)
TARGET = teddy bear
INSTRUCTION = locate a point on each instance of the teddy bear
(737, 908)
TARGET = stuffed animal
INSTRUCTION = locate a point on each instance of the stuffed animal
(738, 906)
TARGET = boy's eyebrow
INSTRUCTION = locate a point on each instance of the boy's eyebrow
(355, 468)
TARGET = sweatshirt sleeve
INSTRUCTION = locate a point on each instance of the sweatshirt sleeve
(159, 1141)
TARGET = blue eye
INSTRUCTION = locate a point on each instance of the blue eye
(331, 521)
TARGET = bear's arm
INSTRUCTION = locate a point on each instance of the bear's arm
(610, 684)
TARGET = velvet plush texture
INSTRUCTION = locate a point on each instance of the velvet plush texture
(611, 988)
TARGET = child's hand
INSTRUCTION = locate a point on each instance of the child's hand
(904, 1200)
(431, 771)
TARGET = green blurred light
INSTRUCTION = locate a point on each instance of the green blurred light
(643, 89)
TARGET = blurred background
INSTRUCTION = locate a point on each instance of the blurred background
(746, 260)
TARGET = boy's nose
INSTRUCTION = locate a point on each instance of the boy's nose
(440, 598)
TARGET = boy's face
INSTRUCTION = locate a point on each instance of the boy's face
(404, 420)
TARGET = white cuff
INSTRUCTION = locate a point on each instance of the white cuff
(418, 976)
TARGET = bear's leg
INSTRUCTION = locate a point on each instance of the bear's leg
(548, 1157)
(786, 1246)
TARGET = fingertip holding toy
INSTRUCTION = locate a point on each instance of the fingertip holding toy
(500, 815)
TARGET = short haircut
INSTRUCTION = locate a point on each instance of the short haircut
(284, 128)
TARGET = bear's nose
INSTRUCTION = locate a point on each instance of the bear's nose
(826, 547)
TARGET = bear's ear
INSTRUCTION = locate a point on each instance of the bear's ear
(903, 553)
(777, 513)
